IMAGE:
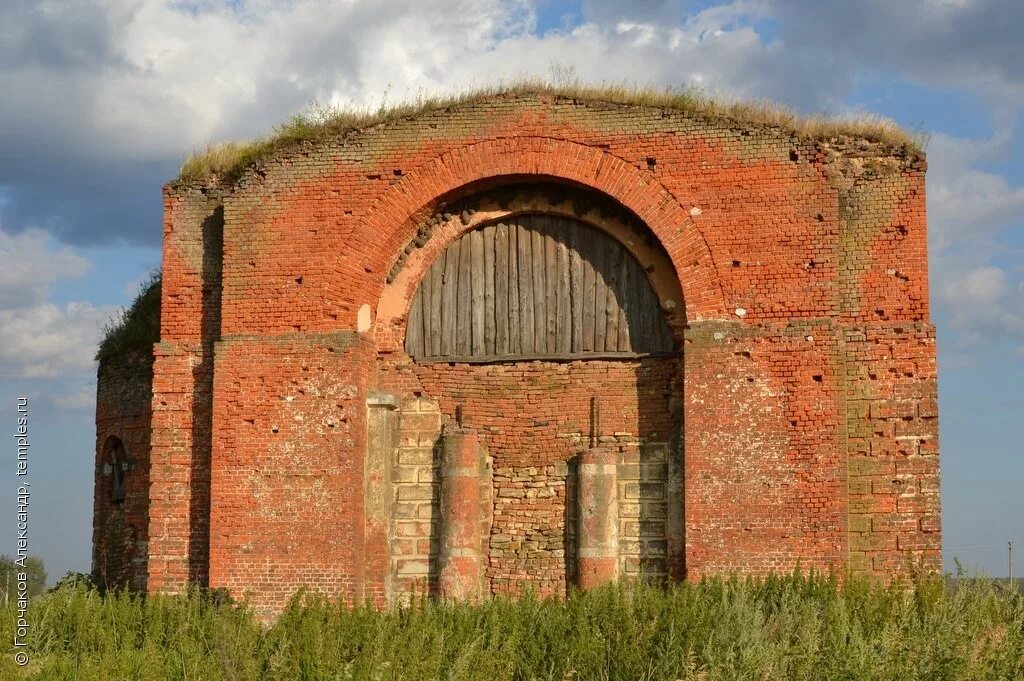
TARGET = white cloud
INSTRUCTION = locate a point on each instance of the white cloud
(163, 79)
(30, 263)
(970, 212)
(37, 337)
(965, 203)
(47, 340)
(985, 309)
(983, 301)
(79, 400)
(984, 286)
(113, 89)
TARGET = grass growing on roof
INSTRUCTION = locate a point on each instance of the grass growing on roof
(791, 627)
(228, 160)
(136, 327)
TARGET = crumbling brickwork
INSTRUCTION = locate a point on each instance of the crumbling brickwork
(296, 443)
(121, 494)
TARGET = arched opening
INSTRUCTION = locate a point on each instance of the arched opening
(535, 286)
(548, 320)
(116, 464)
(115, 549)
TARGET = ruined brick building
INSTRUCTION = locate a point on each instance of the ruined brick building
(528, 339)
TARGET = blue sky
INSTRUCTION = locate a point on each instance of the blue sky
(102, 100)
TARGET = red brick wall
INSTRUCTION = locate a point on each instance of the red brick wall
(764, 464)
(182, 389)
(892, 428)
(121, 529)
(808, 393)
(533, 418)
(287, 475)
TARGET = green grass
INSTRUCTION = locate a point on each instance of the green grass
(136, 327)
(225, 162)
(793, 627)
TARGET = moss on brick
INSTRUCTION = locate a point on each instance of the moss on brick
(136, 327)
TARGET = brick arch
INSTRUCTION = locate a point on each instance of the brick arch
(593, 168)
(110, 444)
(394, 302)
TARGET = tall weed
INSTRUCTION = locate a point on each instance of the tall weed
(780, 627)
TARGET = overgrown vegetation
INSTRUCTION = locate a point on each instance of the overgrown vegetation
(795, 627)
(136, 327)
(225, 162)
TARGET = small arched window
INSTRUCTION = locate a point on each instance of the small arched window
(535, 287)
(116, 461)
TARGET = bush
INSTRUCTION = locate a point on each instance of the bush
(73, 580)
(136, 327)
(794, 627)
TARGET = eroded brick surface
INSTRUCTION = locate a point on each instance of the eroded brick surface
(121, 523)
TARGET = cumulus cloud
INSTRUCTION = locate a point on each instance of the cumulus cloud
(970, 213)
(113, 94)
(717, 49)
(47, 340)
(984, 285)
(30, 263)
(984, 308)
(37, 337)
(983, 301)
(79, 400)
(965, 201)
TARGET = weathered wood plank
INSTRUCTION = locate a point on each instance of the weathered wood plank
(501, 288)
(449, 298)
(586, 248)
(414, 327)
(656, 323)
(611, 336)
(553, 357)
(489, 306)
(540, 291)
(550, 287)
(563, 312)
(463, 334)
(644, 342)
(626, 265)
(514, 332)
(524, 239)
(541, 287)
(664, 334)
(425, 321)
(477, 291)
(434, 280)
(575, 290)
(600, 256)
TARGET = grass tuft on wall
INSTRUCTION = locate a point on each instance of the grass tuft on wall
(136, 327)
(224, 163)
(792, 627)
